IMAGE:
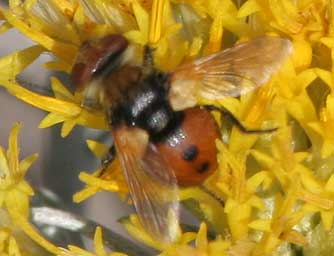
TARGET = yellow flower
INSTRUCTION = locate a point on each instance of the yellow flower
(67, 110)
(75, 114)
(65, 107)
(280, 226)
(62, 50)
(202, 246)
(15, 193)
(293, 164)
(324, 127)
(109, 178)
(98, 246)
(14, 190)
(239, 191)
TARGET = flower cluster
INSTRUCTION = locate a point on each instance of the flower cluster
(275, 186)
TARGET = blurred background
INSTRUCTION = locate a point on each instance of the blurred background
(60, 160)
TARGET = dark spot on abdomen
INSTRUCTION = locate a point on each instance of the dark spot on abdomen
(190, 153)
(204, 167)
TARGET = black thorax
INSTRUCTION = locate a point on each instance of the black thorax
(147, 106)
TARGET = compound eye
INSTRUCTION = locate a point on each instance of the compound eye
(97, 58)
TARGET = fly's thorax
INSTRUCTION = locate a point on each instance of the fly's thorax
(144, 104)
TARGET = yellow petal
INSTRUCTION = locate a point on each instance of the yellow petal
(13, 249)
(156, 21)
(301, 156)
(295, 237)
(26, 163)
(255, 181)
(55, 25)
(64, 51)
(262, 225)
(134, 227)
(316, 126)
(77, 251)
(67, 127)
(13, 64)
(327, 148)
(309, 181)
(98, 182)
(2, 200)
(4, 27)
(46, 103)
(14, 3)
(328, 41)
(93, 119)
(25, 188)
(117, 254)
(229, 16)
(28, 4)
(58, 66)
(195, 47)
(201, 239)
(263, 159)
(256, 202)
(51, 119)
(330, 184)
(325, 76)
(136, 37)
(79, 18)
(187, 237)
(13, 149)
(302, 54)
(98, 242)
(305, 78)
(319, 201)
(230, 205)
(85, 193)
(216, 33)
(33, 234)
(99, 149)
(238, 219)
(18, 202)
(142, 18)
(60, 90)
(4, 168)
(286, 15)
(208, 204)
(327, 219)
(67, 7)
(248, 8)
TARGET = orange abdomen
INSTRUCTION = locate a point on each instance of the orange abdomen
(191, 150)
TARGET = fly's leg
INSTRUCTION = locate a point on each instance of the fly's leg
(213, 194)
(148, 61)
(237, 122)
(108, 159)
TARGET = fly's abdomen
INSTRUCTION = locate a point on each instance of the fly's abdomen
(190, 148)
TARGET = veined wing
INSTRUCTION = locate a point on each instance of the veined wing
(228, 73)
(152, 183)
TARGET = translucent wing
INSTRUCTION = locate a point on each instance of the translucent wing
(228, 73)
(152, 184)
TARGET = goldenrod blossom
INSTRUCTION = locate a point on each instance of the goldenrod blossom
(15, 193)
(266, 184)
(98, 246)
(13, 186)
